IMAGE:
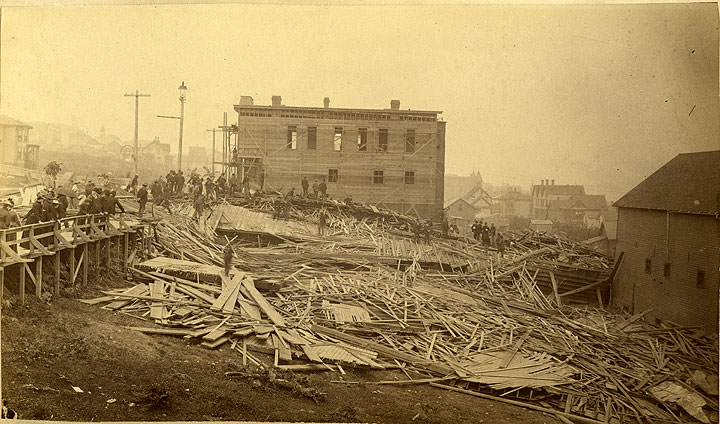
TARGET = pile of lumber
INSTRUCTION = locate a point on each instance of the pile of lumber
(491, 326)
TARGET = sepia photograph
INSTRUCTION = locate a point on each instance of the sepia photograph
(360, 211)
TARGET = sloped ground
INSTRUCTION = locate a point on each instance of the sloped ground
(49, 348)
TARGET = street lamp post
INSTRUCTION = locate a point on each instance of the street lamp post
(182, 89)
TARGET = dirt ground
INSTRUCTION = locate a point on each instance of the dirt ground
(47, 348)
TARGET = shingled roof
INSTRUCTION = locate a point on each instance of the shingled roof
(689, 183)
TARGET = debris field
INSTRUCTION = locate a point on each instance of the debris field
(532, 327)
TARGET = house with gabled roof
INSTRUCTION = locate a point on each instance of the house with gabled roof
(668, 234)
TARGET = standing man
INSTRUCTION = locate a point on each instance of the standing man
(305, 185)
(96, 203)
(110, 202)
(180, 182)
(493, 231)
(9, 219)
(246, 185)
(198, 203)
(62, 206)
(132, 186)
(228, 255)
(500, 242)
(322, 221)
(475, 229)
(315, 189)
(142, 196)
(323, 190)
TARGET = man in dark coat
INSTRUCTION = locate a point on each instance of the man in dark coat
(142, 196)
(97, 203)
(180, 182)
(110, 202)
(305, 185)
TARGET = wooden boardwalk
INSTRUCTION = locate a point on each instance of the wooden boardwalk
(75, 240)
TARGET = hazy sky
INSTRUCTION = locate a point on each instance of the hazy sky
(599, 95)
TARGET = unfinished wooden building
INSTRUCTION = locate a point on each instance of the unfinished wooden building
(389, 157)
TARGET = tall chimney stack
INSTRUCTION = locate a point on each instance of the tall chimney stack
(276, 101)
(326, 102)
(395, 104)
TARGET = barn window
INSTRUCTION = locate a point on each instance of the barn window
(333, 175)
(377, 177)
(338, 139)
(383, 140)
(409, 177)
(292, 138)
(410, 141)
(666, 269)
(312, 138)
(700, 283)
(362, 140)
(648, 266)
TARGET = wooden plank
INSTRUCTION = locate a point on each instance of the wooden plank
(573, 417)
(229, 306)
(57, 274)
(437, 368)
(164, 331)
(263, 304)
(555, 288)
(21, 288)
(38, 276)
(139, 289)
(282, 349)
(229, 288)
(217, 343)
(156, 291)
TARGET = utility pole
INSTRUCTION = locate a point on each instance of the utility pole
(182, 89)
(213, 150)
(137, 96)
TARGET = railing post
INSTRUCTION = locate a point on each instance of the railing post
(2, 251)
(31, 237)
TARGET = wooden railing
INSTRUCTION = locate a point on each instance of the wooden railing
(30, 243)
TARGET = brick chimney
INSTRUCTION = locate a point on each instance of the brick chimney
(326, 102)
(395, 104)
(276, 101)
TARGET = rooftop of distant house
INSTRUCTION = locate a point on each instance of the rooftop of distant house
(689, 183)
(7, 121)
(549, 188)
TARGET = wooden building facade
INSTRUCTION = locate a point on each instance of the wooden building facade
(387, 157)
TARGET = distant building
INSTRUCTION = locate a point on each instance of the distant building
(156, 153)
(15, 147)
(61, 136)
(514, 203)
(581, 210)
(541, 225)
(546, 192)
(457, 185)
(197, 157)
(388, 157)
(480, 200)
(460, 213)
(668, 232)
